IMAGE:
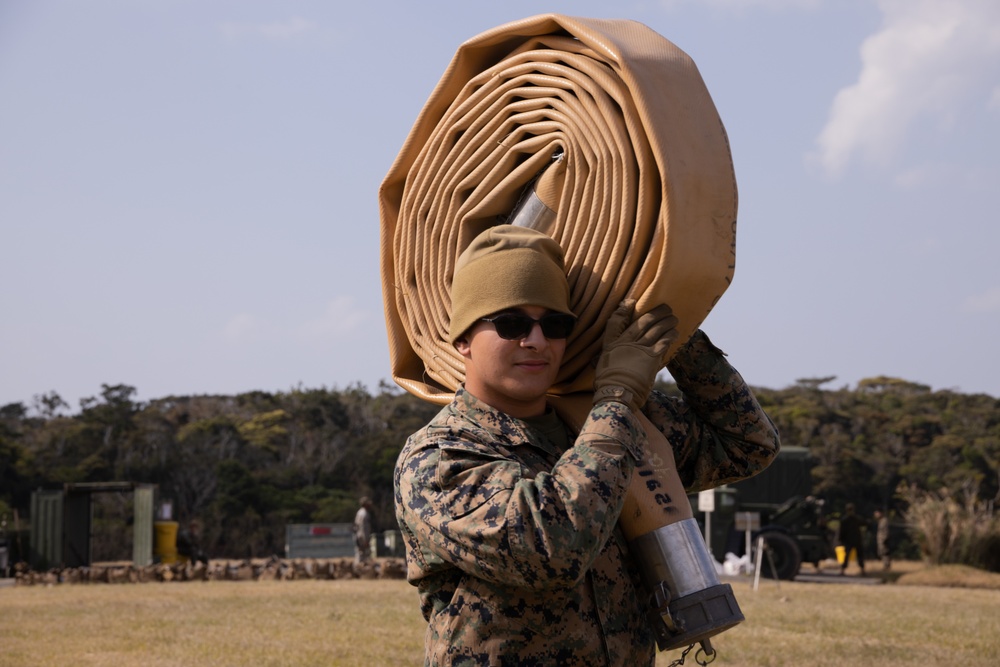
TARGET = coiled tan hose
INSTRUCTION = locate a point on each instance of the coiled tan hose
(637, 170)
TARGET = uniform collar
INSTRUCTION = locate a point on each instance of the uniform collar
(502, 426)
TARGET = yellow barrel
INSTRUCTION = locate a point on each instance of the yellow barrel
(841, 555)
(165, 547)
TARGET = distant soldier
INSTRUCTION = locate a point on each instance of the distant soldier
(189, 543)
(882, 539)
(851, 533)
(4, 553)
(363, 532)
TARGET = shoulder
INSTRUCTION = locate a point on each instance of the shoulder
(450, 428)
(465, 443)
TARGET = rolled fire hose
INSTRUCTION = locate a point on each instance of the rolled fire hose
(602, 134)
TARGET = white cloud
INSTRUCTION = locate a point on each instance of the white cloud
(930, 59)
(987, 302)
(926, 175)
(341, 317)
(239, 327)
(281, 30)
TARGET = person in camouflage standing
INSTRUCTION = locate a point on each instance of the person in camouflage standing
(882, 539)
(508, 517)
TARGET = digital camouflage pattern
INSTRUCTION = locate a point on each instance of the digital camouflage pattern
(719, 432)
(512, 540)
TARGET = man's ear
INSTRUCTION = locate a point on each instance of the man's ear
(463, 346)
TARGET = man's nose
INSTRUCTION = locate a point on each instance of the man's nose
(535, 337)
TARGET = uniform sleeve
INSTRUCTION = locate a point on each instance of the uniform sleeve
(463, 503)
(718, 430)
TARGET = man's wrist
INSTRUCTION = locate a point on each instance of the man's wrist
(615, 393)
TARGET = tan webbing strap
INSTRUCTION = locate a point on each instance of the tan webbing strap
(636, 167)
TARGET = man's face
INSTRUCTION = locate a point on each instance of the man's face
(512, 376)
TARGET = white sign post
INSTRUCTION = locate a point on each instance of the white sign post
(748, 522)
(706, 504)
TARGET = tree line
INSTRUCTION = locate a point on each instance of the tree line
(247, 465)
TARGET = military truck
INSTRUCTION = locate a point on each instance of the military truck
(777, 505)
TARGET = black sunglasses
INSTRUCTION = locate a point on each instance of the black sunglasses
(515, 326)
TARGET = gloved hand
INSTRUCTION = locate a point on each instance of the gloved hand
(633, 353)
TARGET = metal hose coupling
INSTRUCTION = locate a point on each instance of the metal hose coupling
(688, 602)
(539, 199)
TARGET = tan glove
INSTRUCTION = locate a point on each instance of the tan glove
(633, 353)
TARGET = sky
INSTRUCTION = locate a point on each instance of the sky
(188, 188)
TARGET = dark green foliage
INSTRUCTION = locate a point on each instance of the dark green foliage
(244, 465)
(248, 464)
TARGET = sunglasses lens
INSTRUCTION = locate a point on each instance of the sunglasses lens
(557, 325)
(512, 326)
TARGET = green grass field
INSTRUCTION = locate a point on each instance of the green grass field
(373, 623)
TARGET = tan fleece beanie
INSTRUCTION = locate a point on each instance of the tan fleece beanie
(506, 267)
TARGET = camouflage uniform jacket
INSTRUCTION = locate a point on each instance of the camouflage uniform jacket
(513, 544)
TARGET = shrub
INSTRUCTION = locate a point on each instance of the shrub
(953, 527)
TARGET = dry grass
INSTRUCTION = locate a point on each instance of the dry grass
(953, 525)
(953, 576)
(828, 625)
(374, 623)
(212, 624)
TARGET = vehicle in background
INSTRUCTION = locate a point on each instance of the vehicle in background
(778, 506)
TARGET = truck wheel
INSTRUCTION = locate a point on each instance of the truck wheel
(781, 558)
